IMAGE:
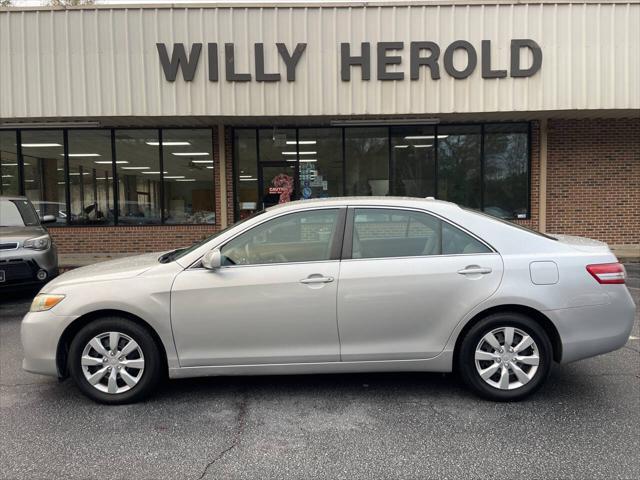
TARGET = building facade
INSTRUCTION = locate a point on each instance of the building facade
(149, 127)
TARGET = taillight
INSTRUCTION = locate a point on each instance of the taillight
(607, 273)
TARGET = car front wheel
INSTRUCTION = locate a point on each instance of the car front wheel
(114, 360)
(505, 357)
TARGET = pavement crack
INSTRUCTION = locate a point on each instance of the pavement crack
(240, 424)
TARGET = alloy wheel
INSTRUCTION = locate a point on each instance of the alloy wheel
(112, 362)
(507, 358)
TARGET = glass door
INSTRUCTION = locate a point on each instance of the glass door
(277, 183)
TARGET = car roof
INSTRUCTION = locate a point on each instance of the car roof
(13, 197)
(426, 203)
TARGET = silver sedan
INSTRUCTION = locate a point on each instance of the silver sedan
(331, 286)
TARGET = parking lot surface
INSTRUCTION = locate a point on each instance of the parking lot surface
(585, 423)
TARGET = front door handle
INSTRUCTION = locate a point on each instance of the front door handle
(474, 270)
(316, 279)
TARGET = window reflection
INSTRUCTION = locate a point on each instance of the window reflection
(44, 184)
(367, 161)
(138, 167)
(459, 150)
(246, 168)
(91, 176)
(506, 170)
(320, 172)
(413, 161)
(188, 183)
(277, 145)
(8, 163)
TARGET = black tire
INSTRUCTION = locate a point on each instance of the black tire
(466, 356)
(153, 365)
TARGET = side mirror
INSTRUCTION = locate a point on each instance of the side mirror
(212, 260)
(48, 219)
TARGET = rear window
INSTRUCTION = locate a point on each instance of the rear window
(17, 213)
(511, 224)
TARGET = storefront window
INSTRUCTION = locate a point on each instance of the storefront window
(91, 177)
(188, 181)
(9, 163)
(277, 145)
(246, 171)
(506, 170)
(44, 180)
(320, 172)
(367, 161)
(138, 166)
(413, 161)
(459, 156)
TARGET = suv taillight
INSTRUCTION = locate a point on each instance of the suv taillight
(607, 273)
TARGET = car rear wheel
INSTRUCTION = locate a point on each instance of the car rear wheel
(114, 360)
(505, 357)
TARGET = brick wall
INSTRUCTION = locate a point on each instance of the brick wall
(593, 179)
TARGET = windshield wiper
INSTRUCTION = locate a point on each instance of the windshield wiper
(169, 256)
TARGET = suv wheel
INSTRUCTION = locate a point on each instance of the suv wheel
(114, 360)
(505, 357)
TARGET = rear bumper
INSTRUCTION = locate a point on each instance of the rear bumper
(589, 331)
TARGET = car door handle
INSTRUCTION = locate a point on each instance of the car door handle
(311, 280)
(474, 270)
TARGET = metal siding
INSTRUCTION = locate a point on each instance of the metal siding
(104, 62)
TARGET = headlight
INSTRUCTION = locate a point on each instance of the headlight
(38, 243)
(45, 301)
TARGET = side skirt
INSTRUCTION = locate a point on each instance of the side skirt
(441, 363)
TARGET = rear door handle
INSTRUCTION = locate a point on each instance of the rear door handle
(313, 279)
(474, 270)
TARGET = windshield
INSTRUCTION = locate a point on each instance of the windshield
(17, 213)
(181, 252)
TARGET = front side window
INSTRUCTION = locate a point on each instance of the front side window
(384, 233)
(297, 237)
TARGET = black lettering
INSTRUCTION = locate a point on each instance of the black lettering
(516, 46)
(230, 69)
(179, 60)
(430, 61)
(346, 61)
(384, 60)
(487, 72)
(261, 76)
(472, 59)
(212, 48)
(291, 61)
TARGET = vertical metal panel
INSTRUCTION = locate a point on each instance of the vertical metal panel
(104, 62)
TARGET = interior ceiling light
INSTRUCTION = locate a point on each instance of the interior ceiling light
(210, 168)
(153, 173)
(136, 168)
(185, 180)
(423, 146)
(82, 155)
(39, 145)
(189, 154)
(300, 153)
(301, 142)
(418, 137)
(108, 162)
(308, 160)
(168, 144)
(201, 161)
(173, 176)
(401, 146)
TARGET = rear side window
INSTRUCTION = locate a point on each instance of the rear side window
(384, 233)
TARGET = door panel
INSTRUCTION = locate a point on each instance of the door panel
(406, 308)
(256, 314)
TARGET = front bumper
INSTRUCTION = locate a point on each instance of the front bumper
(20, 267)
(40, 333)
(589, 331)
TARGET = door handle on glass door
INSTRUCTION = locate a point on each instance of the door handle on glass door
(311, 279)
(474, 270)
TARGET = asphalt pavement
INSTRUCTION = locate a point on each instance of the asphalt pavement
(583, 424)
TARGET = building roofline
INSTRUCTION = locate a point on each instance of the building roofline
(314, 4)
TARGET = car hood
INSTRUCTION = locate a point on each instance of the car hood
(19, 234)
(120, 268)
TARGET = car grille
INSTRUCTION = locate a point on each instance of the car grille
(18, 270)
(9, 246)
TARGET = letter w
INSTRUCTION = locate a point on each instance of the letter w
(179, 60)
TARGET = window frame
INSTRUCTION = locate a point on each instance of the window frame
(347, 246)
(334, 251)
